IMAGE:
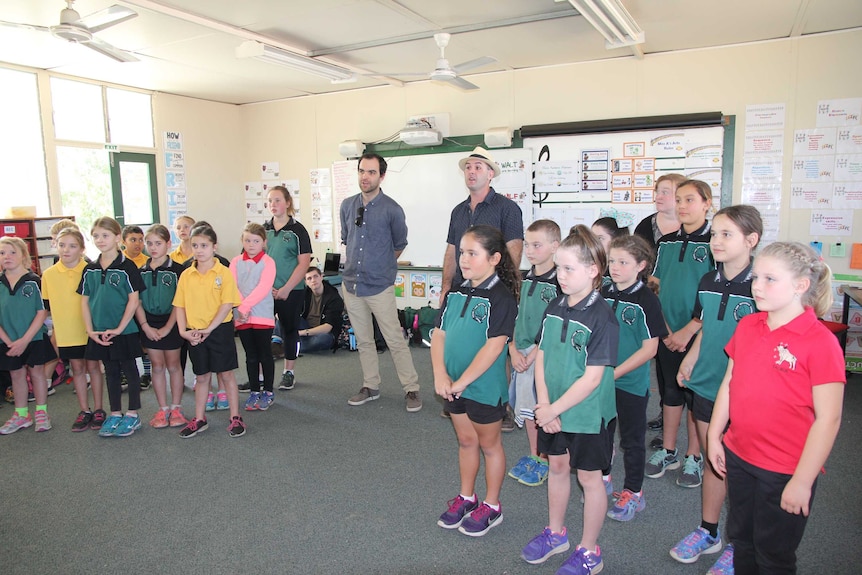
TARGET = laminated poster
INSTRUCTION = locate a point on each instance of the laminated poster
(418, 285)
(400, 280)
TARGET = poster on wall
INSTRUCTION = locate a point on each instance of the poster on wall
(175, 179)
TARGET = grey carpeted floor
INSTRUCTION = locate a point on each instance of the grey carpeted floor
(317, 486)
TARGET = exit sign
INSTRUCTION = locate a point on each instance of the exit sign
(112, 147)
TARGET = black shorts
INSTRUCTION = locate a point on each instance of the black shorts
(73, 352)
(700, 407)
(217, 353)
(587, 451)
(122, 348)
(480, 413)
(170, 341)
(38, 352)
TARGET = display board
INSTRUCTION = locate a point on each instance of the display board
(428, 187)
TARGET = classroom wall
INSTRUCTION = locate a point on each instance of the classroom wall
(303, 133)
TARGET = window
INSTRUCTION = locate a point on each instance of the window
(130, 118)
(77, 110)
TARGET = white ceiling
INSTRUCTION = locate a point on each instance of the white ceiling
(380, 36)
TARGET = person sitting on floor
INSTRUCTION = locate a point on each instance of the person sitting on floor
(321, 314)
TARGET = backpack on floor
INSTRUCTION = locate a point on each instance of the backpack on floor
(346, 339)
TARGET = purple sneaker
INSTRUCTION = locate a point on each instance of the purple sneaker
(582, 562)
(459, 508)
(544, 545)
(481, 520)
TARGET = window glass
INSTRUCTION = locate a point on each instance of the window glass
(130, 118)
(77, 108)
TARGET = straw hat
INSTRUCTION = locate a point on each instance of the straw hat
(484, 155)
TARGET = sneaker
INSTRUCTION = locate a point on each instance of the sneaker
(244, 387)
(656, 423)
(609, 486)
(211, 399)
(523, 464)
(695, 544)
(582, 562)
(194, 427)
(414, 404)
(626, 506)
(110, 425)
(536, 475)
(146, 381)
(662, 460)
(251, 402)
(459, 509)
(724, 565)
(15, 423)
(43, 422)
(365, 395)
(99, 417)
(236, 427)
(51, 389)
(177, 418)
(657, 442)
(288, 381)
(82, 422)
(266, 400)
(481, 520)
(129, 425)
(160, 419)
(692, 472)
(30, 397)
(222, 403)
(544, 545)
(508, 423)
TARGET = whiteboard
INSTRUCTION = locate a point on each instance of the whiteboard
(429, 186)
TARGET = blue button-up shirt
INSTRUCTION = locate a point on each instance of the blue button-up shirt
(371, 264)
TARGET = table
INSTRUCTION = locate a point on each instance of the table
(850, 293)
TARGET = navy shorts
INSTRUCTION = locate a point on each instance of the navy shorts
(39, 352)
(700, 407)
(480, 413)
(217, 353)
(587, 451)
(72, 352)
(123, 348)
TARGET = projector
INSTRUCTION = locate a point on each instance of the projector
(415, 136)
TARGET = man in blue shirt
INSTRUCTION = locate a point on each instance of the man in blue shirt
(374, 229)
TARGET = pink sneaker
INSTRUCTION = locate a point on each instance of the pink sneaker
(15, 423)
(177, 418)
(43, 422)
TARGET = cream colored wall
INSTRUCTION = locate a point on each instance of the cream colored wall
(304, 133)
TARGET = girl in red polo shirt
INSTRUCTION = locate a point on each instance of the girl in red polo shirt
(782, 394)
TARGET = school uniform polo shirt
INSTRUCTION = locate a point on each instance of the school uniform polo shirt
(161, 287)
(108, 290)
(774, 371)
(59, 290)
(178, 256)
(572, 338)
(19, 305)
(638, 313)
(536, 293)
(720, 304)
(471, 316)
(200, 295)
(284, 245)
(681, 260)
(139, 261)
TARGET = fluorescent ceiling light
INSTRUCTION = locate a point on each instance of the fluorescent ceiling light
(272, 55)
(612, 20)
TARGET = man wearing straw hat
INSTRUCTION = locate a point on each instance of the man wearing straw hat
(484, 206)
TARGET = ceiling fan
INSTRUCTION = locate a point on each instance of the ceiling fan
(73, 28)
(450, 74)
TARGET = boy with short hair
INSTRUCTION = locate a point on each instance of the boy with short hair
(538, 289)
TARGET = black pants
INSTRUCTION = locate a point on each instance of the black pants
(257, 344)
(667, 364)
(764, 536)
(113, 380)
(289, 311)
(631, 419)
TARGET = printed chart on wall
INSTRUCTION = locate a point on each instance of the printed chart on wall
(580, 178)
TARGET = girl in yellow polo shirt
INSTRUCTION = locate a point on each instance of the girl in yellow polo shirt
(59, 288)
(205, 297)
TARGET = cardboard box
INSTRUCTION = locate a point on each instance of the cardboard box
(21, 212)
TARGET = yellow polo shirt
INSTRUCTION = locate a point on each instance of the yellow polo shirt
(59, 289)
(178, 256)
(139, 261)
(202, 294)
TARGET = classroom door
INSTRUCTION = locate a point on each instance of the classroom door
(134, 188)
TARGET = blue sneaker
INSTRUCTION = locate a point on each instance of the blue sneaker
(481, 520)
(110, 426)
(626, 506)
(695, 544)
(661, 461)
(251, 402)
(724, 565)
(266, 399)
(536, 474)
(222, 403)
(582, 562)
(459, 508)
(521, 466)
(544, 545)
(692, 472)
(128, 425)
(211, 402)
